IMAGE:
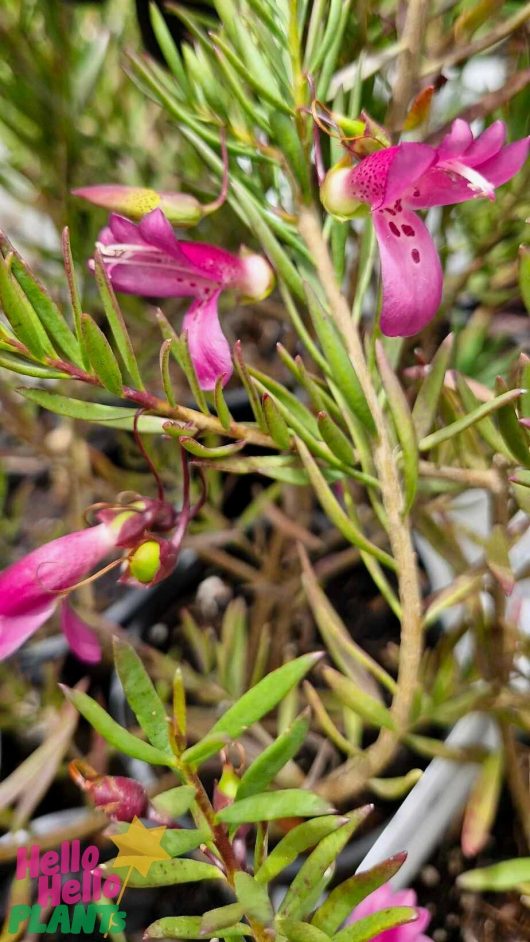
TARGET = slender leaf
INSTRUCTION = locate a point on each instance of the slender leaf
(284, 803)
(263, 770)
(100, 355)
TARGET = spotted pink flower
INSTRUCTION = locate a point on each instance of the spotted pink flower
(147, 259)
(385, 898)
(396, 181)
(33, 587)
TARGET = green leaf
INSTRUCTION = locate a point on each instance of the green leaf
(335, 439)
(100, 355)
(284, 129)
(284, 803)
(169, 49)
(339, 365)
(524, 275)
(205, 748)
(190, 927)
(202, 451)
(482, 805)
(510, 429)
(498, 878)
(335, 512)
(27, 368)
(245, 377)
(116, 322)
(111, 416)
(455, 428)
(223, 412)
(21, 315)
(346, 653)
(179, 841)
(300, 931)
(298, 901)
(141, 695)
(426, 404)
(277, 467)
(403, 424)
(223, 917)
(298, 840)
(260, 83)
(263, 770)
(166, 872)
(371, 926)
(347, 895)
(486, 427)
(276, 424)
(113, 733)
(47, 311)
(367, 707)
(165, 375)
(253, 897)
(392, 788)
(264, 696)
(73, 289)
(181, 352)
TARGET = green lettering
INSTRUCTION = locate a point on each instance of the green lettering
(59, 919)
(83, 918)
(18, 915)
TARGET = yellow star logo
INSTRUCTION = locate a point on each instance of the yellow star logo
(138, 848)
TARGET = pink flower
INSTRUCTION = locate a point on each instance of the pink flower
(147, 259)
(384, 898)
(396, 181)
(33, 587)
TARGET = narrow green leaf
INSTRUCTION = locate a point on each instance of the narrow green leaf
(284, 129)
(298, 901)
(115, 734)
(46, 310)
(486, 427)
(335, 439)
(263, 770)
(426, 404)
(181, 351)
(141, 695)
(371, 926)
(206, 747)
(180, 841)
(100, 356)
(165, 872)
(284, 803)
(253, 897)
(335, 512)
(346, 653)
(259, 84)
(482, 805)
(403, 424)
(223, 412)
(510, 429)
(21, 315)
(244, 375)
(276, 424)
(264, 696)
(190, 927)
(369, 709)
(299, 839)
(169, 49)
(296, 931)
(347, 895)
(111, 416)
(116, 322)
(524, 275)
(390, 789)
(220, 918)
(498, 878)
(339, 365)
(73, 289)
(165, 352)
(455, 428)
(26, 368)
(202, 451)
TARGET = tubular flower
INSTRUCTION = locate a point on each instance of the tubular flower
(34, 586)
(147, 259)
(397, 180)
(384, 898)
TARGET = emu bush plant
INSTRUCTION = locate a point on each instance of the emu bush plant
(278, 102)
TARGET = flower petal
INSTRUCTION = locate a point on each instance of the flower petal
(81, 639)
(151, 274)
(439, 187)
(16, 629)
(34, 581)
(458, 140)
(504, 165)
(411, 273)
(156, 230)
(486, 145)
(214, 263)
(385, 176)
(208, 345)
(124, 231)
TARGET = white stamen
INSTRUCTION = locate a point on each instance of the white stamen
(477, 182)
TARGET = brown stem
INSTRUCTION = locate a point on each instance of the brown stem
(377, 756)
(408, 62)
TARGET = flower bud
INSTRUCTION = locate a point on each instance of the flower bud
(121, 798)
(334, 193)
(181, 209)
(257, 277)
(226, 788)
(150, 562)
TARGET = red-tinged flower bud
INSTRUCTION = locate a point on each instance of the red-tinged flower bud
(143, 514)
(121, 798)
(182, 209)
(150, 562)
(225, 790)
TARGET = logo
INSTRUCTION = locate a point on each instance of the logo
(75, 893)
